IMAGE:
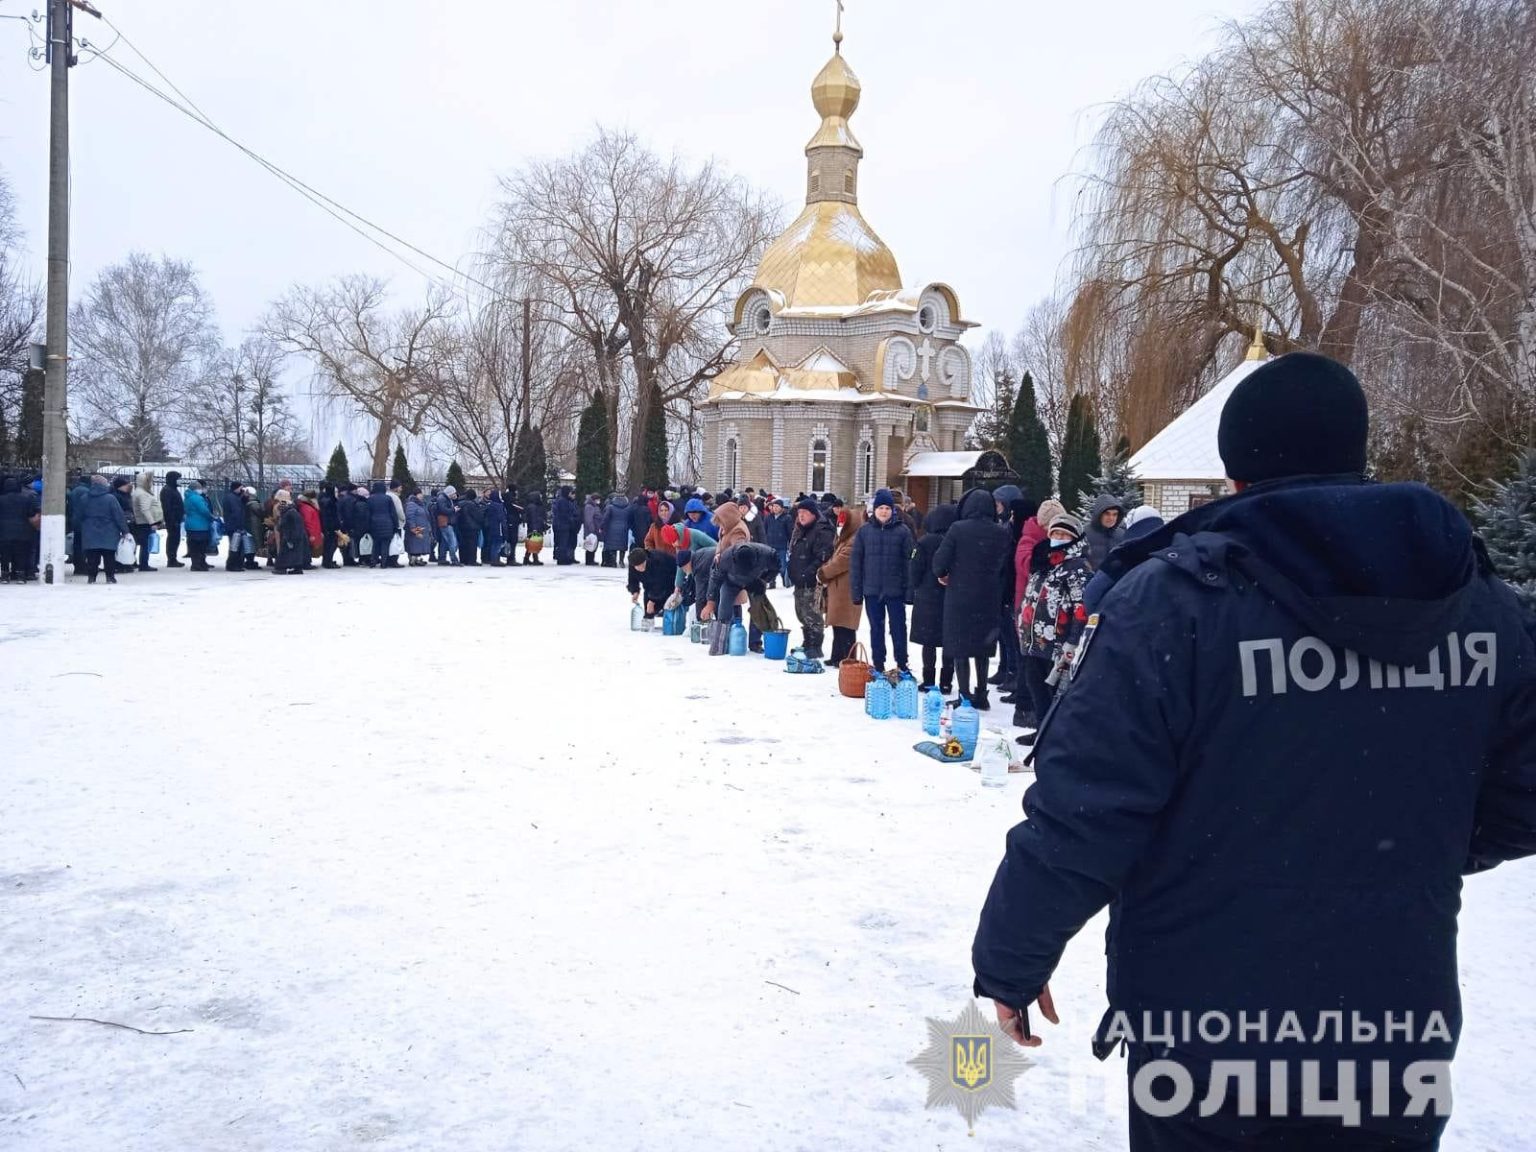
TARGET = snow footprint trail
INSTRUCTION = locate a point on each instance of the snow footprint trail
(454, 860)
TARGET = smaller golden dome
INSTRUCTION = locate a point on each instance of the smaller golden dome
(836, 90)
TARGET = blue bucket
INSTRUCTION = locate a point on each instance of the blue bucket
(775, 645)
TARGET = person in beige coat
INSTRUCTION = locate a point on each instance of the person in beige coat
(843, 615)
(147, 516)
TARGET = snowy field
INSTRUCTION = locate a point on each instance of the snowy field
(450, 859)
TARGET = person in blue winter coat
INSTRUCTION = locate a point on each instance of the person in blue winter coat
(383, 523)
(565, 521)
(615, 530)
(418, 529)
(495, 528)
(1301, 715)
(199, 525)
(102, 524)
(879, 577)
(73, 510)
(697, 513)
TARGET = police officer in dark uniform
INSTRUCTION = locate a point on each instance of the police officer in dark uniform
(1301, 715)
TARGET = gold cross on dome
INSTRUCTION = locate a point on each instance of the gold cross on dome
(837, 36)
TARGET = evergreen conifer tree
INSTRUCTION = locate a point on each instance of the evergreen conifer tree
(594, 468)
(1079, 453)
(655, 459)
(456, 477)
(993, 428)
(1506, 520)
(401, 470)
(338, 471)
(1117, 479)
(529, 467)
(29, 421)
(1029, 448)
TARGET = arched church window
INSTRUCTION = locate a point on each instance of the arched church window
(848, 181)
(732, 464)
(819, 455)
(815, 183)
(922, 419)
(866, 468)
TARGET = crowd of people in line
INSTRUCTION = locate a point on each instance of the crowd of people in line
(996, 575)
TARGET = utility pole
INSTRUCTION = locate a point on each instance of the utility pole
(60, 57)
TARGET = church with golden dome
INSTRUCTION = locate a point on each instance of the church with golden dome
(846, 381)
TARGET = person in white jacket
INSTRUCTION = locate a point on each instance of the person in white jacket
(147, 516)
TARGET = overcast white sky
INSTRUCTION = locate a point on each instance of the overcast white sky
(973, 112)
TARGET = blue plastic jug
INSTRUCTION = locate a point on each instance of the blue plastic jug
(967, 727)
(738, 643)
(878, 698)
(933, 710)
(906, 697)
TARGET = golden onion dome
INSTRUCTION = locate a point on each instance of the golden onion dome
(836, 90)
(829, 256)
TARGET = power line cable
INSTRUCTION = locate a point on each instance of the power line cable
(326, 203)
(292, 182)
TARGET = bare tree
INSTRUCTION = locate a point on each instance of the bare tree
(243, 418)
(21, 314)
(387, 365)
(1354, 176)
(1470, 247)
(641, 257)
(143, 342)
(1038, 350)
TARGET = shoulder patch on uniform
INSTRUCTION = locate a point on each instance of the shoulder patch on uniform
(1085, 643)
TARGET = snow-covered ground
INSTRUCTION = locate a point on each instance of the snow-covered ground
(450, 859)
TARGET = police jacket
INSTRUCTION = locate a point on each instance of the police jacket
(1322, 714)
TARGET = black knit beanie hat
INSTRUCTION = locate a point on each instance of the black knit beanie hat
(1300, 415)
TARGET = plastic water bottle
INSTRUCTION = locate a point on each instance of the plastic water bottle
(878, 698)
(738, 641)
(967, 726)
(994, 756)
(933, 710)
(636, 618)
(946, 723)
(906, 697)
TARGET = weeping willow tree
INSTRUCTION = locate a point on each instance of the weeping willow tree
(1352, 176)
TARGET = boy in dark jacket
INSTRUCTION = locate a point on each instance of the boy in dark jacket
(778, 527)
(878, 575)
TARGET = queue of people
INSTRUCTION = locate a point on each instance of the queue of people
(994, 576)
